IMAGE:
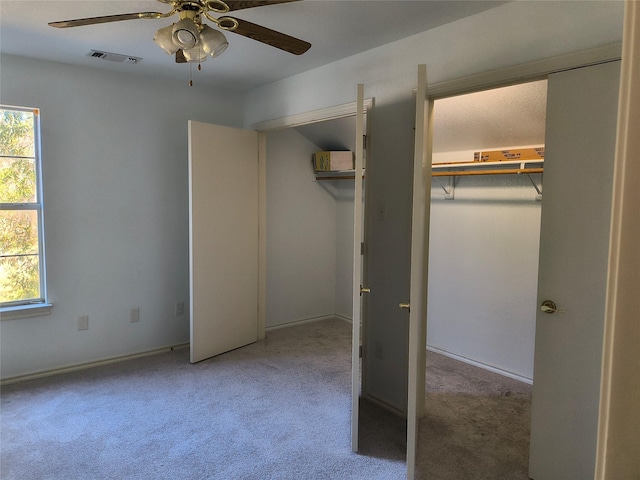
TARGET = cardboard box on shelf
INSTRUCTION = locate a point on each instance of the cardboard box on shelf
(332, 161)
(535, 153)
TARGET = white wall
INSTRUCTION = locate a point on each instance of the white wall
(517, 32)
(309, 234)
(339, 134)
(301, 233)
(114, 153)
(508, 35)
(483, 271)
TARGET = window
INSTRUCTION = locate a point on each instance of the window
(22, 265)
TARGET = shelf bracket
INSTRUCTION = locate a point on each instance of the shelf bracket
(448, 192)
(535, 185)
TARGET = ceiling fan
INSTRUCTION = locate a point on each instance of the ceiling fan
(191, 40)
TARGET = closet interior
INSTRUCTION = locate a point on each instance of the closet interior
(485, 227)
(309, 225)
(484, 230)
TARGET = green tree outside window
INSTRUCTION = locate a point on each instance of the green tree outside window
(20, 275)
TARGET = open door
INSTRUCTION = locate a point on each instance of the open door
(223, 238)
(572, 276)
(358, 288)
(417, 305)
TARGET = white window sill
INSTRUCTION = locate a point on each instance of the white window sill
(25, 311)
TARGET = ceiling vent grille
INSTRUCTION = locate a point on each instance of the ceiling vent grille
(113, 57)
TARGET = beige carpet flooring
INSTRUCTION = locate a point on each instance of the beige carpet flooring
(277, 409)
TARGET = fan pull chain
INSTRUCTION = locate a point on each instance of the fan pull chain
(190, 75)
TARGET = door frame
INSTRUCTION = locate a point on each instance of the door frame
(525, 72)
(618, 441)
(537, 71)
(263, 128)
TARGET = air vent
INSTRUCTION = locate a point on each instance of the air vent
(113, 57)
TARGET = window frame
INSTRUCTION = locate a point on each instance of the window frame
(33, 306)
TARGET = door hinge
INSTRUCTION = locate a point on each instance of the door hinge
(361, 248)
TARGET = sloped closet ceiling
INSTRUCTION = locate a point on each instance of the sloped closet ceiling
(337, 134)
(508, 116)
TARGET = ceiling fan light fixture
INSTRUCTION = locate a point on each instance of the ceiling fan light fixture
(213, 41)
(164, 39)
(195, 55)
(185, 34)
(191, 40)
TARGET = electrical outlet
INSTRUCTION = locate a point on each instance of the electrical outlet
(179, 309)
(83, 322)
(134, 315)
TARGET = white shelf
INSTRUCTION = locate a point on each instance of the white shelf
(479, 165)
(487, 168)
(337, 175)
(510, 167)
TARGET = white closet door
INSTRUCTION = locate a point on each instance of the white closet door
(223, 237)
(574, 246)
(358, 215)
(419, 267)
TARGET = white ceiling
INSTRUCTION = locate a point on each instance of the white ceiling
(336, 29)
(498, 118)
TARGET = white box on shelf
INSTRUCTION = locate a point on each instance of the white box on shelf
(333, 161)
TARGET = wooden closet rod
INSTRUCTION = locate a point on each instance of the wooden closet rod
(510, 171)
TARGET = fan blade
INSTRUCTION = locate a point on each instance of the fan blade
(242, 4)
(109, 18)
(180, 58)
(270, 37)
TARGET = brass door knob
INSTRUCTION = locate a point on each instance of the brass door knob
(549, 306)
(405, 306)
(364, 290)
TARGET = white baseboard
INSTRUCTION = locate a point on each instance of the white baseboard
(84, 366)
(484, 366)
(121, 358)
(307, 320)
(344, 319)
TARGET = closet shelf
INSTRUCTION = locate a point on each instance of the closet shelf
(452, 170)
(337, 175)
(487, 168)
